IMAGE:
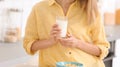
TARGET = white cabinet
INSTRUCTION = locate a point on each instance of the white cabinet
(116, 60)
(117, 50)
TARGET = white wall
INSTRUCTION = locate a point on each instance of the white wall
(27, 9)
(108, 6)
(117, 4)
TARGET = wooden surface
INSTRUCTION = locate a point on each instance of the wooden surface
(109, 18)
(117, 16)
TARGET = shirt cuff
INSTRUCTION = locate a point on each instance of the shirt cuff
(28, 48)
(104, 51)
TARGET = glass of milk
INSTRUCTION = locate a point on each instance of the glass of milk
(62, 23)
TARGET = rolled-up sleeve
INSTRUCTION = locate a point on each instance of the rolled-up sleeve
(104, 51)
(99, 38)
(31, 34)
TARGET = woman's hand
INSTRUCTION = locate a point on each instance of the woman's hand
(42, 44)
(69, 41)
(55, 34)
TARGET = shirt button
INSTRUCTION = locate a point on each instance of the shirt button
(70, 53)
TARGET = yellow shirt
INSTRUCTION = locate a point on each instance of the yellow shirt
(38, 27)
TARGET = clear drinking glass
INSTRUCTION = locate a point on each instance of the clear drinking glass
(62, 23)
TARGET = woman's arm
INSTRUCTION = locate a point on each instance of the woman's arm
(42, 44)
(71, 41)
(89, 48)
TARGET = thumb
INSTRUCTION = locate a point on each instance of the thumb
(69, 35)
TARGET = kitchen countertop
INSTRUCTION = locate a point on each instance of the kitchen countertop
(112, 32)
(13, 54)
(9, 51)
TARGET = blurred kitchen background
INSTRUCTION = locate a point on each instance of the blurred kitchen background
(13, 16)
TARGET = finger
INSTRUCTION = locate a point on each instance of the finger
(56, 35)
(69, 35)
(64, 40)
(55, 32)
(67, 39)
(65, 43)
(55, 29)
(61, 41)
(55, 25)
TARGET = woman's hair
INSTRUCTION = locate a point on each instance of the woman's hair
(91, 9)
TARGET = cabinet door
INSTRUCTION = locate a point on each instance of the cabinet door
(117, 16)
(117, 48)
(116, 62)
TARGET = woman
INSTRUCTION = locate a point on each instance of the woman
(85, 42)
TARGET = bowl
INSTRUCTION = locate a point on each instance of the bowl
(68, 64)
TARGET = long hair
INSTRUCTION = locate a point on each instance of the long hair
(91, 9)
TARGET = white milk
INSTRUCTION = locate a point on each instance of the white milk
(62, 22)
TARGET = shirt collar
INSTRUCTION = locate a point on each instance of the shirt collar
(51, 2)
